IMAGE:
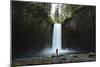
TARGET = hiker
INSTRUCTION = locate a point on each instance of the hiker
(57, 52)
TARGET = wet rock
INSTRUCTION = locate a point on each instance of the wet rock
(75, 56)
(53, 56)
(91, 55)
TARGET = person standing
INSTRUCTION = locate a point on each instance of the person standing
(57, 52)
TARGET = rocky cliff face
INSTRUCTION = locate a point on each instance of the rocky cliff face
(31, 27)
(79, 30)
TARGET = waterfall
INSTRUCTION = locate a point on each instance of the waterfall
(56, 38)
(57, 16)
(56, 41)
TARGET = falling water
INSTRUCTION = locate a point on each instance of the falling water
(56, 41)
